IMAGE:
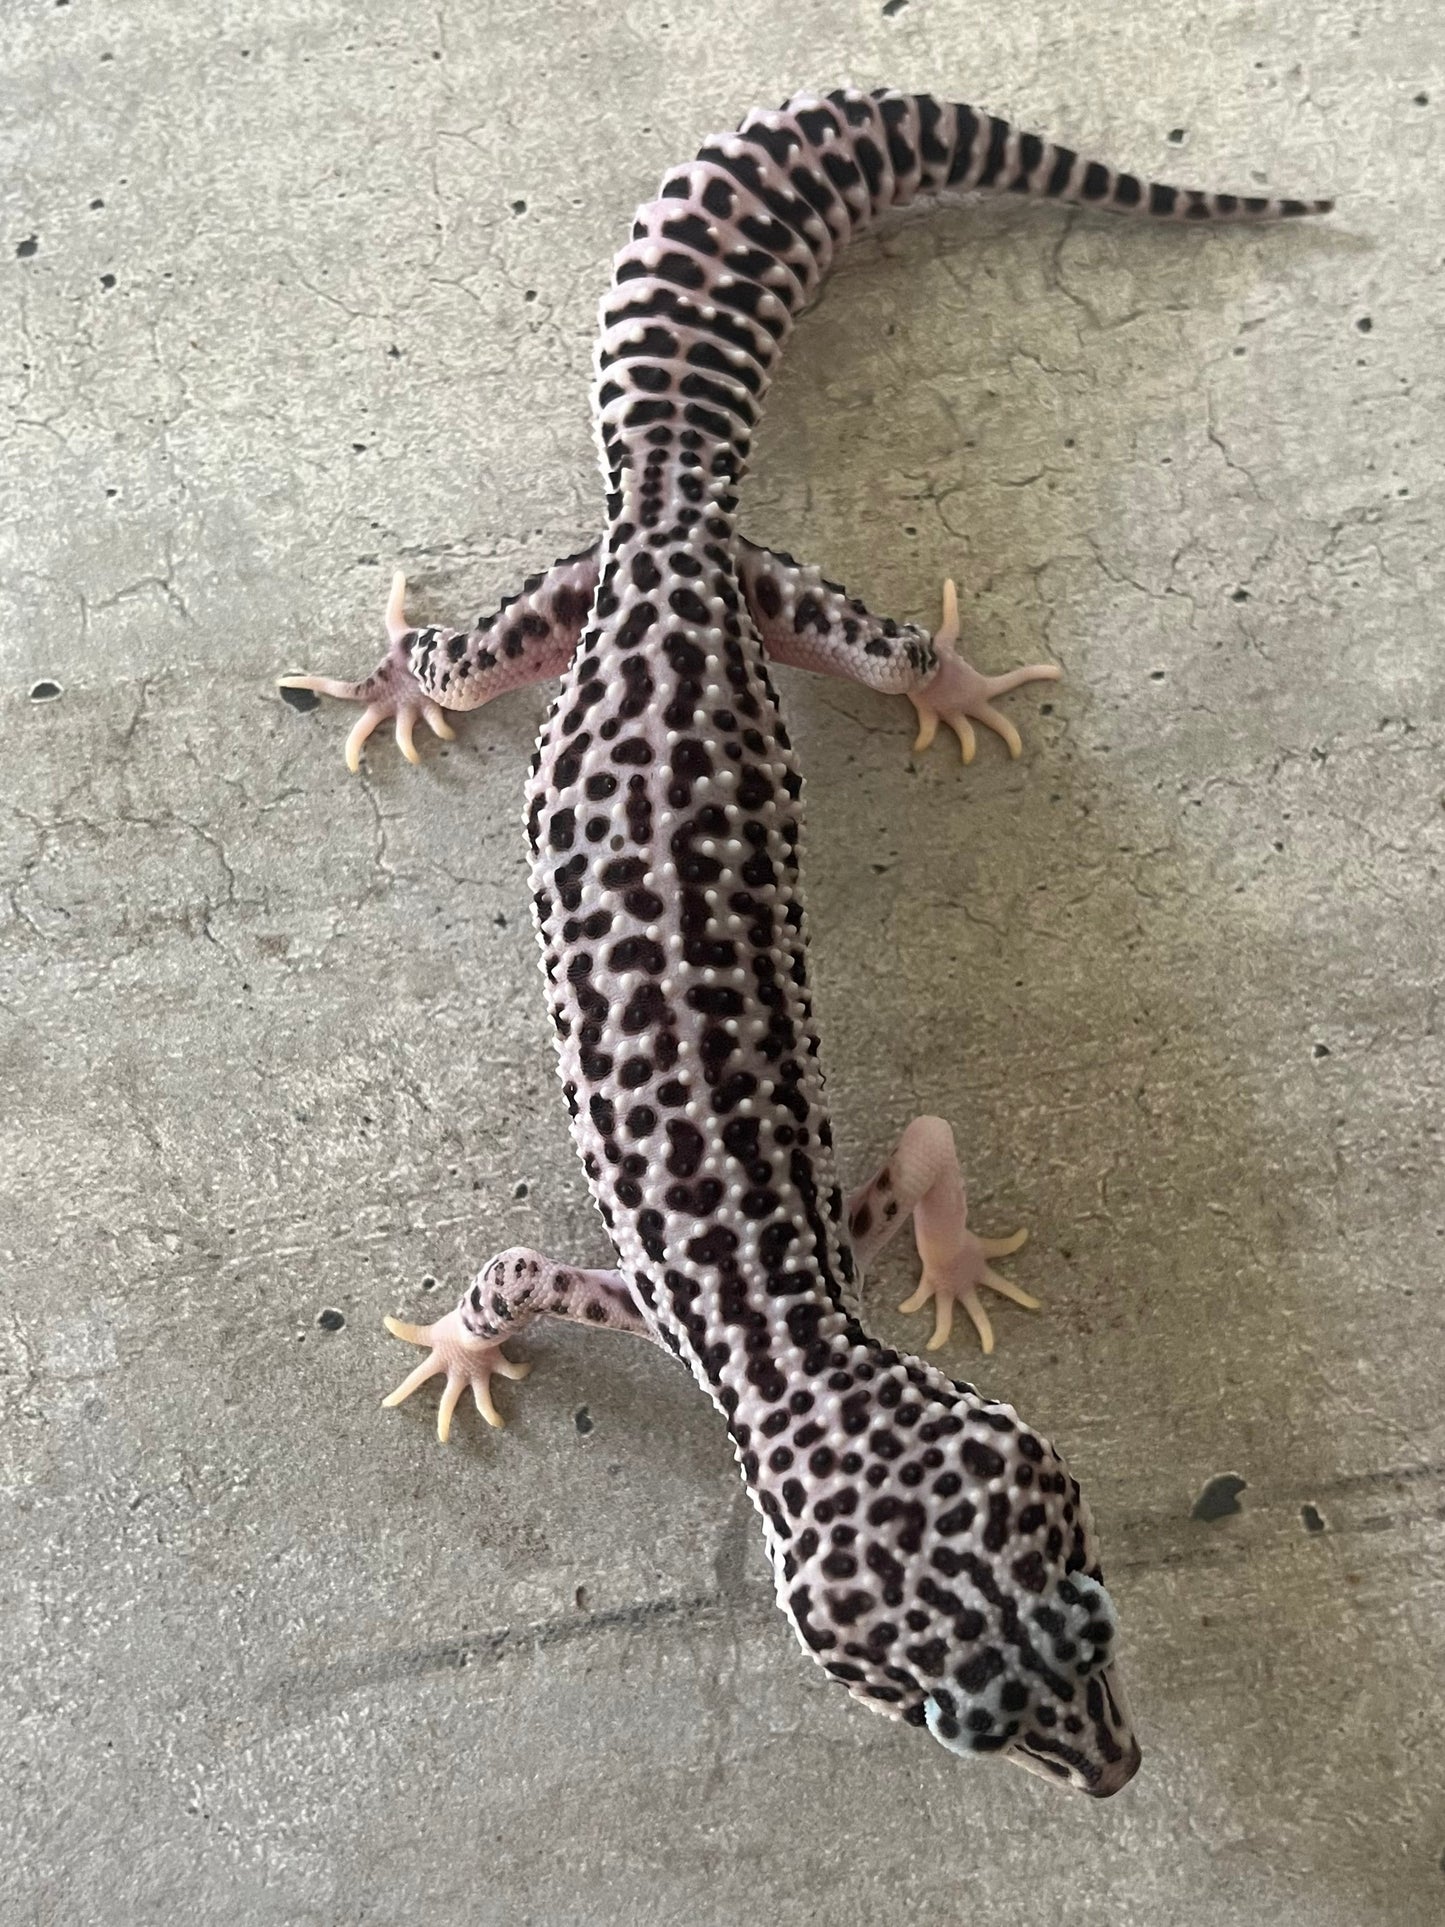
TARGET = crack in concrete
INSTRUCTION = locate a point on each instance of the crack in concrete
(490, 1648)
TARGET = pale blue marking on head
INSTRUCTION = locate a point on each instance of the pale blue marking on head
(1053, 1705)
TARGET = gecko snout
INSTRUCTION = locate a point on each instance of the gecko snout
(1086, 1741)
(1059, 1708)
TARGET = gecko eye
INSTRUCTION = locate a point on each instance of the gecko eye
(984, 1713)
(965, 1728)
(1076, 1625)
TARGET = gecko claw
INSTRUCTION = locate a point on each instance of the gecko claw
(957, 691)
(390, 690)
(958, 1276)
(465, 1361)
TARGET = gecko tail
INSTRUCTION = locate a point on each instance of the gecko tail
(1047, 172)
(932, 146)
(990, 154)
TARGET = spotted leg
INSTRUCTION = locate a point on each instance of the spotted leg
(923, 1176)
(810, 623)
(427, 671)
(803, 619)
(507, 1294)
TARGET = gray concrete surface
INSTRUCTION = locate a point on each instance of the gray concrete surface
(296, 294)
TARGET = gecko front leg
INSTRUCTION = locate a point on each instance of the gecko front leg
(922, 1175)
(510, 1291)
(957, 692)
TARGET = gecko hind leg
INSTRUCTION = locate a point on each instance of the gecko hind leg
(510, 1291)
(802, 619)
(958, 692)
(922, 1176)
(808, 622)
(392, 689)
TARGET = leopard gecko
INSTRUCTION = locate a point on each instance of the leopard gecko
(930, 1549)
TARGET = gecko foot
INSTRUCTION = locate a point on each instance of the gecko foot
(464, 1359)
(390, 690)
(955, 1271)
(957, 691)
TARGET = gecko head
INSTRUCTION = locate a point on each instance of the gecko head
(1053, 1703)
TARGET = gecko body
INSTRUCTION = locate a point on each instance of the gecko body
(930, 1549)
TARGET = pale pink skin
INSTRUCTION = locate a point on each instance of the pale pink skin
(930, 1550)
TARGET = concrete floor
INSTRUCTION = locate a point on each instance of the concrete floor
(295, 295)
